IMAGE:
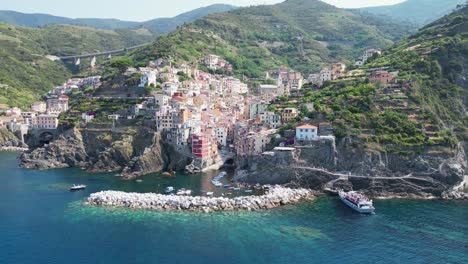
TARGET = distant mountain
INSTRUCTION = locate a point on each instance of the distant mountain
(299, 34)
(40, 20)
(157, 26)
(166, 25)
(418, 12)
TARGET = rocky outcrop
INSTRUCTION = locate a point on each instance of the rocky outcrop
(157, 157)
(153, 159)
(67, 151)
(8, 140)
(434, 171)
(277, 196)
(130, 151)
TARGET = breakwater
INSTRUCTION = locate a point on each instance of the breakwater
(13, 149)
(276, 196)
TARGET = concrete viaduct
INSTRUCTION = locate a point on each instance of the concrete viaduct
(77, 58)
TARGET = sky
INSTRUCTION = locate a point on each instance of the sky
(142, 10)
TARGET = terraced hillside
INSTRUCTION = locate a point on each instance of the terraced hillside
(301, 34)
(426, 106)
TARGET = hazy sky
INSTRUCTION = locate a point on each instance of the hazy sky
(140, 10)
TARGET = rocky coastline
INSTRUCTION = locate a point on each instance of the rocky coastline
(277, 196)
(9, 142)
(132, 152)
(435, 172)
(129, 151)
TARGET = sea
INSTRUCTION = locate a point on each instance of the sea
(41, 221)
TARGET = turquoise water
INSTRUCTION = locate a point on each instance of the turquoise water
(41, 222)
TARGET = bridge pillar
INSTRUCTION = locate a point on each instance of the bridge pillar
(93, 62)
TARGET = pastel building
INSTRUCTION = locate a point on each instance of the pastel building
(46, 122)
(203, 147)
(58, 104)
(306, 132)
(288, 115)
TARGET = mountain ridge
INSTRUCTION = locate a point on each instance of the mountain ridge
(157, 26)
(418, 12)
(296, 33)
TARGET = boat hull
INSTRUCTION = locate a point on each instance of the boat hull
(76, 189)
(356, 208)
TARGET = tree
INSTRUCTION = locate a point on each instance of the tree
(121, 63)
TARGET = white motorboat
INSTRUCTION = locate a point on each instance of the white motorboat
(77, 187)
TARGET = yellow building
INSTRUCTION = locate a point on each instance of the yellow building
(288, 114)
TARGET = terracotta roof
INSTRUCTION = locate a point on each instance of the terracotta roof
(306, 126)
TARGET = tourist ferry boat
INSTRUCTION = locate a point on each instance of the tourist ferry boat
(357, 202)
(77, 187)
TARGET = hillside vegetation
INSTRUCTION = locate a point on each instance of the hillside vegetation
(300, 34)
(436, 59)
(26, 75)
(425, 107)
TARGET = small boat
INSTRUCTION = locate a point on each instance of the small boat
(357, 201)
(221, 175)
(227, 186)
(169, 189)
(237, 189)
(331, 191)
(209, 194)
(216, 183)
(184, 192)
(77, 187)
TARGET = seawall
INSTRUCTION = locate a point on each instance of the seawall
(277, 196)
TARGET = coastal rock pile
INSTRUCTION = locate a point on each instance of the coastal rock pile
(277, 196)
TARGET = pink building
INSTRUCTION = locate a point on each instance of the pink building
(204, 146)
(381, 76)
(46, 122)
(200, 146)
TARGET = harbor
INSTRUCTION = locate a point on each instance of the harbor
(38, 204)
(276, 196)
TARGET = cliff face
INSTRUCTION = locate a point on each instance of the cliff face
(67, 151)
(8, 139)
(431, 173)
(131, 151)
